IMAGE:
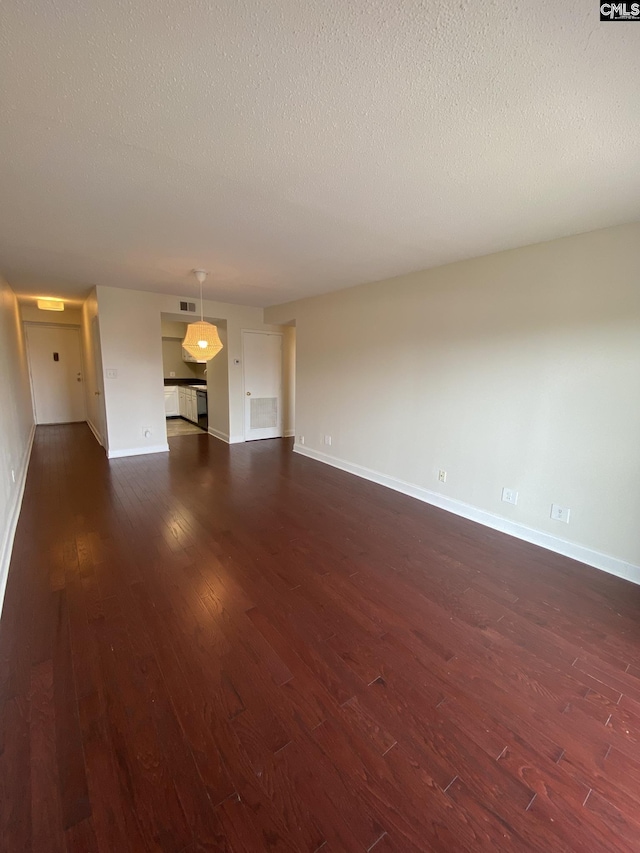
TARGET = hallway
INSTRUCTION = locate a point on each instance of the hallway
(237, 648)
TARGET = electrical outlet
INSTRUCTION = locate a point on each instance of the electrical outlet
(111, 373)
(300, 439)
(509, 496)
(327, 439)
(560, 513)
(442, 476)
(172, 373)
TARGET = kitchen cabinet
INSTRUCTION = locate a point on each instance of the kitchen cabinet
(171, 403)
(192, 409)
(186, 356)
(187, 404)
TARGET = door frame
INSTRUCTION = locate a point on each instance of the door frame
(76, 328)
(244, 391)
(99, 430)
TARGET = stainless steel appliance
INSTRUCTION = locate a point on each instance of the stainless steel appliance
(203, 411)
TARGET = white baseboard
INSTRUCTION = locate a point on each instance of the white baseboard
(289, 433)
(14, 514)
(598, 560)
(95, 432)
(223, 436)
(138, 451)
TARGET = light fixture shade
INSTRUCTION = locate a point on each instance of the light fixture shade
(202, 340)
(50, 304)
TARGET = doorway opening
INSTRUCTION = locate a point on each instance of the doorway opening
(196, 394)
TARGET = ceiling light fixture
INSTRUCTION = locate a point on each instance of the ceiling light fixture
(47, 304)
(202, 340)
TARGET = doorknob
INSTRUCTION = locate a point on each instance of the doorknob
(248, 393)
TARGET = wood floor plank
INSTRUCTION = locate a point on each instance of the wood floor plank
(81, 837)
(246, 833)
(46, 817)
(114, 821)
(15, 775)
(72, 778)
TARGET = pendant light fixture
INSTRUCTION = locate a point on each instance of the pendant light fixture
(202, 340)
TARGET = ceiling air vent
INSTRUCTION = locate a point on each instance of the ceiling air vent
(188, 306)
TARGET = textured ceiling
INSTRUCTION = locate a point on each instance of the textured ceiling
(297, 147)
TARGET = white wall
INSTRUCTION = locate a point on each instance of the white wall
(519, 369)
(132, 346)
(218, 387)
(289, 379)
(16, 423)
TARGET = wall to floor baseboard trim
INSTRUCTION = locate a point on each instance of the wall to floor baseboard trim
(10, 532)
(223, 436)
(605, 562)
(138, 451)
(95, 432)
(289, 433)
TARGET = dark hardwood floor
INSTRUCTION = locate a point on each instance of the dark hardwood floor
(239, 649)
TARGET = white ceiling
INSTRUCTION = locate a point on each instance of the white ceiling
(298, 147)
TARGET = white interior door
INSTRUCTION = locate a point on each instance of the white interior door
(262, 359)
(55, 364)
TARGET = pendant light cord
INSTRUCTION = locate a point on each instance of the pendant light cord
(201, 306)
